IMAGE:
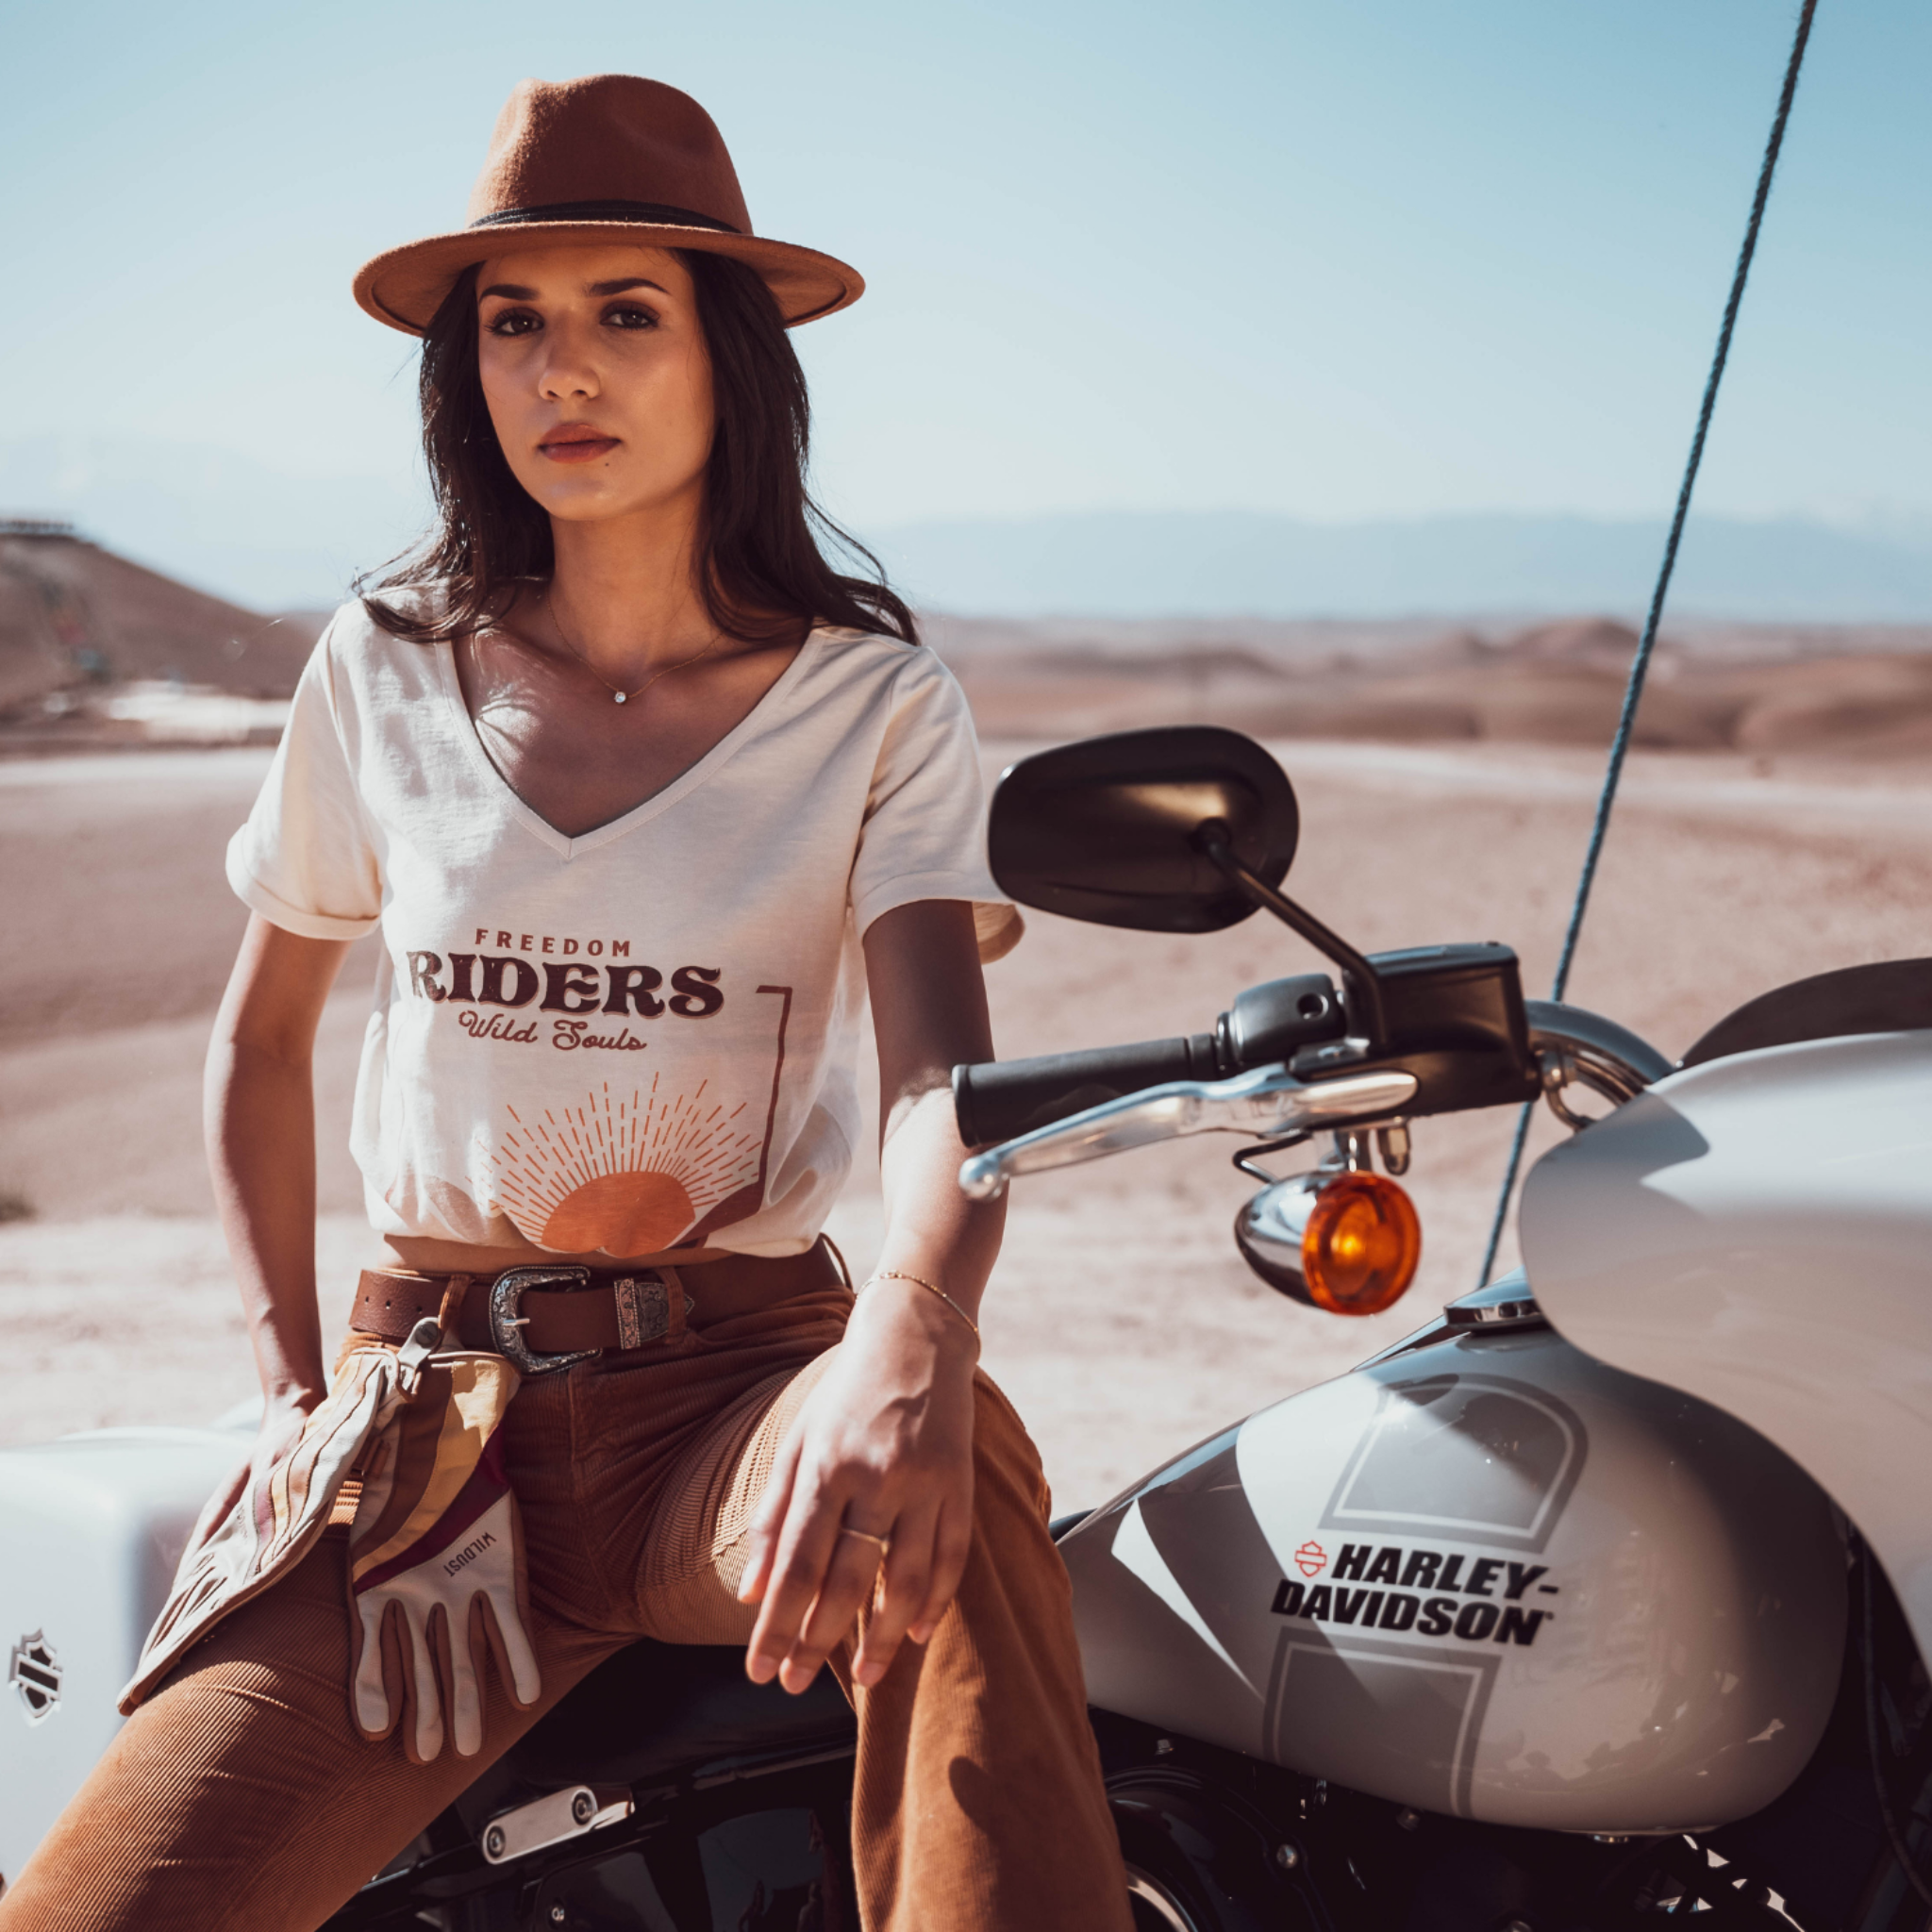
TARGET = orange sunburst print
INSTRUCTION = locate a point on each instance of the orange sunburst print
(642, 1172)
(628, 1174)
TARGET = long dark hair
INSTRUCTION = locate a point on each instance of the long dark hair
(760, 529)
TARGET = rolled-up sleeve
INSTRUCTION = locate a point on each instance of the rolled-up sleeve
(306, 859)
(925, 831)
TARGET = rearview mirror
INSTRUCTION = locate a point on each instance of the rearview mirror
(1106, 830)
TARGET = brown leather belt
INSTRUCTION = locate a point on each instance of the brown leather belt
(546, 1316)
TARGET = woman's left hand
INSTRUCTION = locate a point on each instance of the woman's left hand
(884, 1446)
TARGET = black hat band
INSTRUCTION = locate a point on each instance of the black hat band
(654, 212)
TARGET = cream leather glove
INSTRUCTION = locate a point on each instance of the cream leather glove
(436, 1564)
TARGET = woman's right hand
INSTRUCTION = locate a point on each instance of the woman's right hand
(281, 1421)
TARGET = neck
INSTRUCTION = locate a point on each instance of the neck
(625, 591)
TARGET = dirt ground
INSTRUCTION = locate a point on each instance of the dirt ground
(1122, 1321)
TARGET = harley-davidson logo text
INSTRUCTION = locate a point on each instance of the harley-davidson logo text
(1416, 1597)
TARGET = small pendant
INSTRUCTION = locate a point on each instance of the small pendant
(619, 696)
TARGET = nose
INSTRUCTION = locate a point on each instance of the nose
(568, 373)
(564, 382)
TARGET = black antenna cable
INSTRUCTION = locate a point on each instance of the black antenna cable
(1640, 664)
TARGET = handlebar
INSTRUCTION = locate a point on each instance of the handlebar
(1029, 1107)
(1000, 1100)
(1268, 1102)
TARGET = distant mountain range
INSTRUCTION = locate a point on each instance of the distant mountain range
(271, 542)
(1242, 563)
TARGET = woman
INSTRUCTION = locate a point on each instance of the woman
(642, 798)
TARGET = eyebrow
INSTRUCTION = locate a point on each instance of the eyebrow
(516, 292)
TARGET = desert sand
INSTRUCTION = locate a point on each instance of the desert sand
(1120, 1321)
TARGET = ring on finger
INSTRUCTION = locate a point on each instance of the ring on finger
(884, 1542)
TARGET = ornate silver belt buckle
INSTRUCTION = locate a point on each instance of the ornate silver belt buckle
(507, 1321)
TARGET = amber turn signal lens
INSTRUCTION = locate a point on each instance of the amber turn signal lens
(1361, 1244)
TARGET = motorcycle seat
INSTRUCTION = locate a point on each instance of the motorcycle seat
(656, 1713)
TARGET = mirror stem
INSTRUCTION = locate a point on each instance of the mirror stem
(1212, 839)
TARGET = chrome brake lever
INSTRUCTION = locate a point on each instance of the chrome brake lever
(1268, 1102)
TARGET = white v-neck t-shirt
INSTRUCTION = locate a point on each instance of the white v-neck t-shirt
(645, 1038)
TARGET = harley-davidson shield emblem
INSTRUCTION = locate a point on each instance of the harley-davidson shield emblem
(35, 1673)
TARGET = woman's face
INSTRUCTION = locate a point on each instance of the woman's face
(597, 379)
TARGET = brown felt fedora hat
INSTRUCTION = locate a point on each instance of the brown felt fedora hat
(610, 158)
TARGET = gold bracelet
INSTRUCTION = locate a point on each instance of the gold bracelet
(931, 1288)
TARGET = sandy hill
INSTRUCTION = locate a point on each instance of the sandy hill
(74, 615)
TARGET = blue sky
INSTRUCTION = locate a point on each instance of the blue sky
(1390, 257)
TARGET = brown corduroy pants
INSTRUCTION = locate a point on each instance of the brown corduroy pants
(240, 1796)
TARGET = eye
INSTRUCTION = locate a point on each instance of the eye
(514, 321)
(630, 315)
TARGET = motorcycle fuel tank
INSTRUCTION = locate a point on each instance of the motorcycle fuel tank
(1758, 1230)
(1490, 1577)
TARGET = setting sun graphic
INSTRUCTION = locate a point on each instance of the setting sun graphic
(629, 1176)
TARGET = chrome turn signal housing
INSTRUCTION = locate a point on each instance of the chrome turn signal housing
(1345, 1242)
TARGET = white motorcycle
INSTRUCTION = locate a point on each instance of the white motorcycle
(1605, 1597)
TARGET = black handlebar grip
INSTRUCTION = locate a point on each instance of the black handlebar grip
(999, 1099)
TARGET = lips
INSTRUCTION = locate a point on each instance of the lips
(576, 442)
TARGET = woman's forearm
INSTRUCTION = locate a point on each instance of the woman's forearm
(261, 1126)
(932, 1230)
(928, 1008)
(258, 1111)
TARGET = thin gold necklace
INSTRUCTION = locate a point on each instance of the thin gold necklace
(624, 697)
